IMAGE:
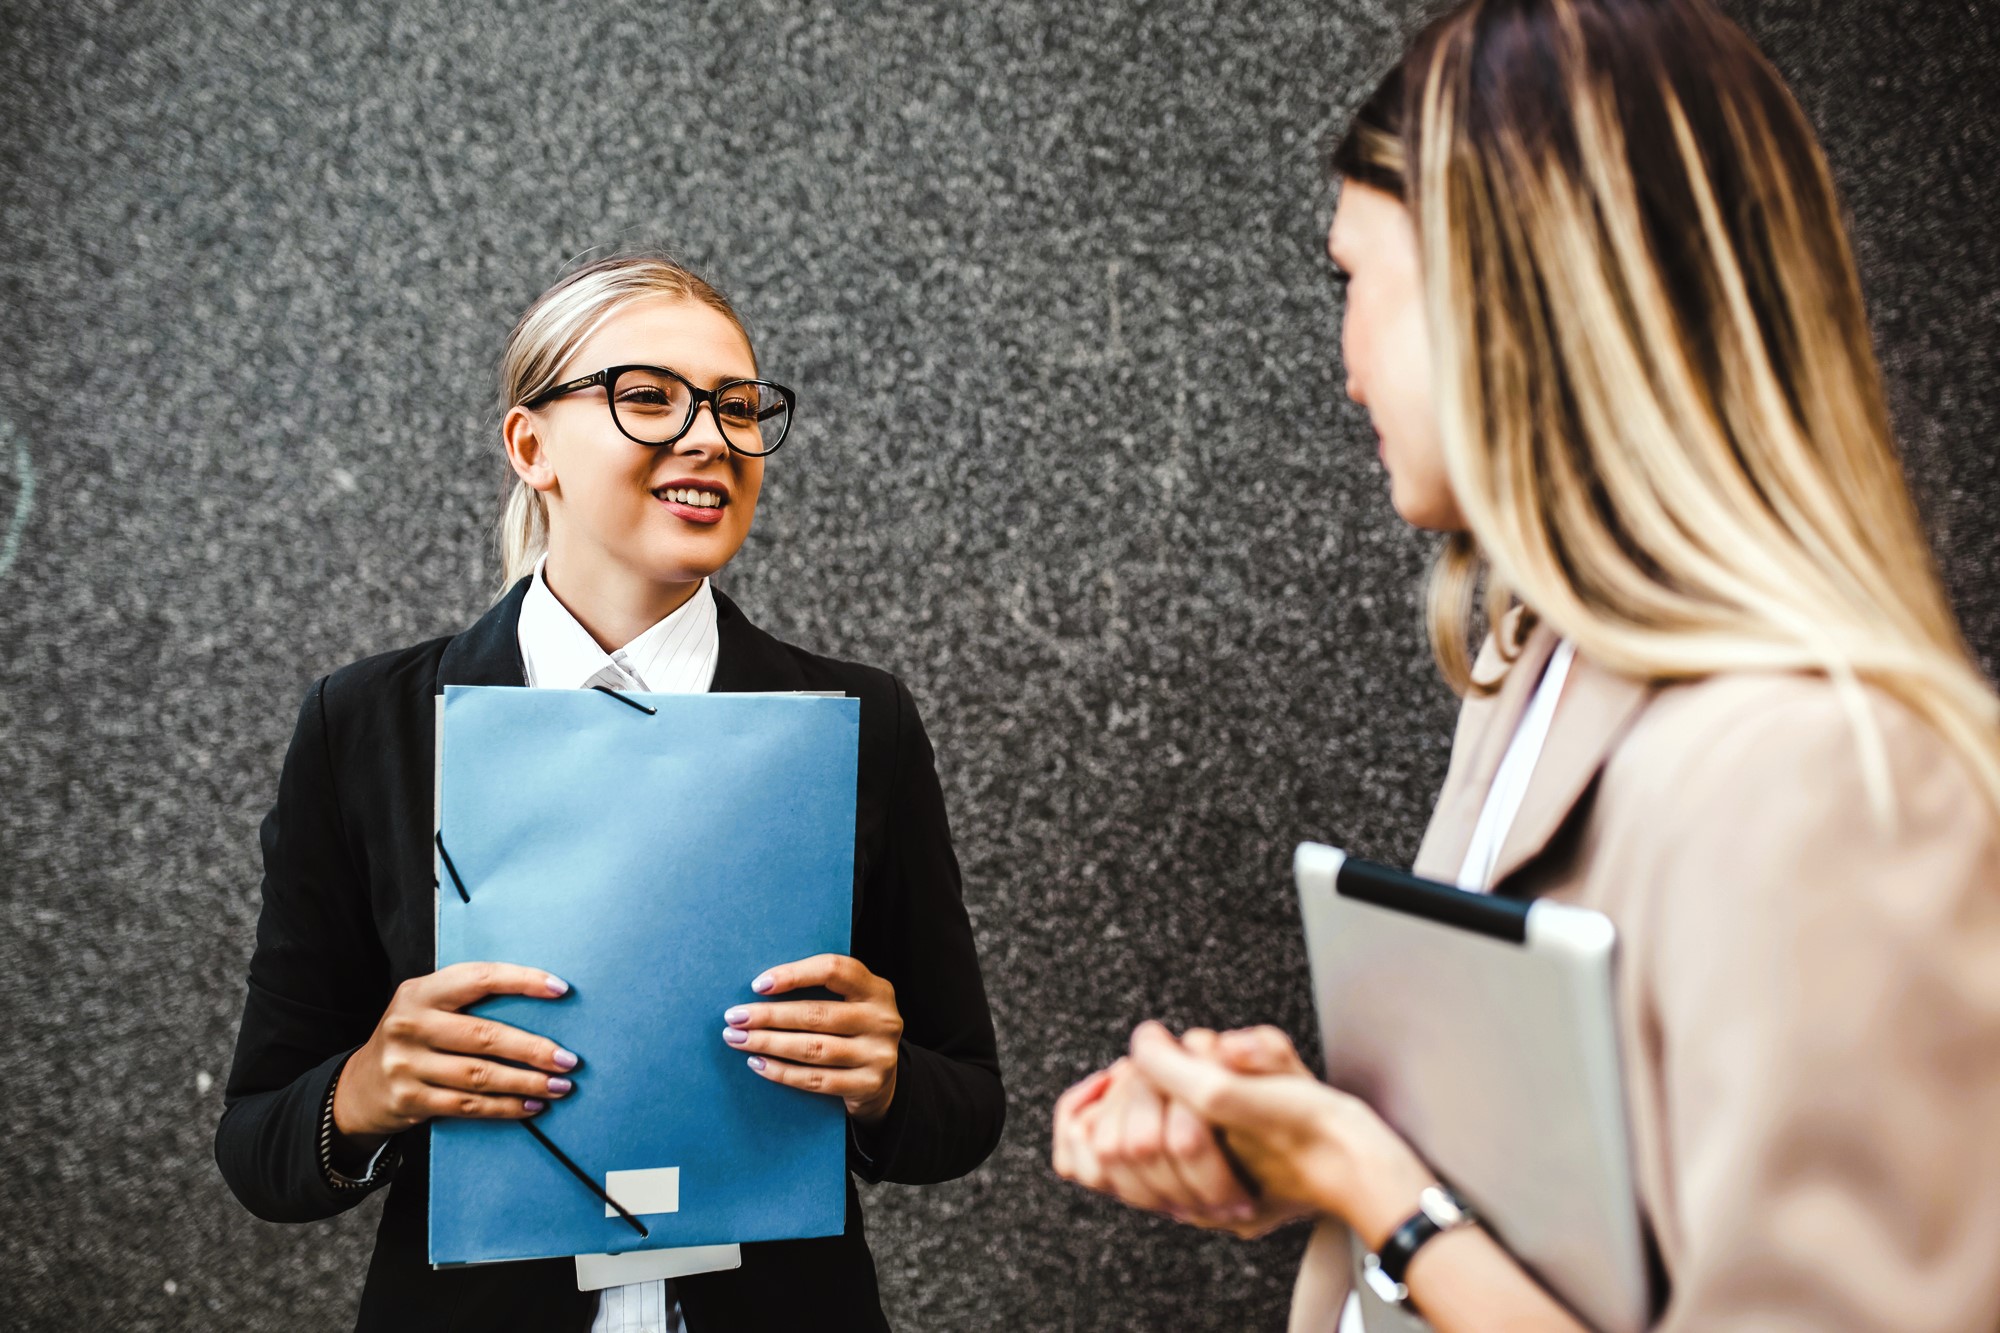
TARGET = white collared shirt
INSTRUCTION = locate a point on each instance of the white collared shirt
(676, 656)
(1510, 780)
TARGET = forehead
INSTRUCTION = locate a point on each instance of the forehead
(689, 336)
(1364, 215)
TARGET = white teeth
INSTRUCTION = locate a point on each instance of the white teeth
(695, 499)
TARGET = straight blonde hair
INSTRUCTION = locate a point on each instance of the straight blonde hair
(1659, 405)
(561, 320)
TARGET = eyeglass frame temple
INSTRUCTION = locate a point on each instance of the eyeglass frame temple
(697, 397)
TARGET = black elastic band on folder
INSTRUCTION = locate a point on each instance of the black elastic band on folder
(457, 883)
(580, 1174)
(626, 699)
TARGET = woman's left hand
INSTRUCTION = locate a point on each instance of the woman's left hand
(845, 1048)
(1305, 1143)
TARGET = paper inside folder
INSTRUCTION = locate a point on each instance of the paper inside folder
(595, 1272)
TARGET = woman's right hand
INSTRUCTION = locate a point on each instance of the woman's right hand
(427, 1059)
(1116, 1134)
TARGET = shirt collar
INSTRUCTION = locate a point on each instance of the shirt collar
(675, 656)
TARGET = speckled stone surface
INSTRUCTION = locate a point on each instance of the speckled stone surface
(1072, 459)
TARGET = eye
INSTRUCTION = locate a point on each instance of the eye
(740, 409)
(643, 395)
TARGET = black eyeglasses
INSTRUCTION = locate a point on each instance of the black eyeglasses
(653, 405)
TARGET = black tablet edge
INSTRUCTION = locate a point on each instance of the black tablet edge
(1384, 886)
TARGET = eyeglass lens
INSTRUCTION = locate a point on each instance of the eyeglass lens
(656, 408)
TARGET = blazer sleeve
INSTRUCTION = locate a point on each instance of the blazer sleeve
(1825, 990)
(316, 987)
(946, 1116)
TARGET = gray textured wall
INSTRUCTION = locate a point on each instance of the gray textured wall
(1072, 459)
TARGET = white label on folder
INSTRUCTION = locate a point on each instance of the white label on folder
(644, 1193)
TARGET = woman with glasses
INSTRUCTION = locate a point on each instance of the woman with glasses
(637, 425)
(1602, 313)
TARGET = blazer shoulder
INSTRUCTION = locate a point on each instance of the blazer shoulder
(1759, 738)
(872, 685)
(400, 673)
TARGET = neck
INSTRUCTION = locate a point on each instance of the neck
(615, 605)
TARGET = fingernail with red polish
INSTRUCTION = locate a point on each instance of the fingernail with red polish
(735, 1036)
(564, 1059)
(556, 985)
(762, 985)
(559, 1086)
(757, 1063)
(532, 1105)
(736, 1016)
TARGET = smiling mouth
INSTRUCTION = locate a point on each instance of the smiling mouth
(691, 497)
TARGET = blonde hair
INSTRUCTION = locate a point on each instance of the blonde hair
(1659, 406)
(561, 320)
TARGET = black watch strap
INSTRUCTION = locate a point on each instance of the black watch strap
(1438, 1211)
(1402, 1247)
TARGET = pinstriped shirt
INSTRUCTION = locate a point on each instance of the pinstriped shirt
(676, 656)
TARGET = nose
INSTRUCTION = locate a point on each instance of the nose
(703, 437)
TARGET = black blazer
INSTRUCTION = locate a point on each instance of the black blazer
(347, 916)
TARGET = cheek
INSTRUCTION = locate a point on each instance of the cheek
(749, 485)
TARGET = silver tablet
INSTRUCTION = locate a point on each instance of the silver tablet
(1482, 1029)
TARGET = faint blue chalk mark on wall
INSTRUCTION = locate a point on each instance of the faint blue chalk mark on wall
(17, 471)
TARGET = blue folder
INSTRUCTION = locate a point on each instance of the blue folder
(658, 864)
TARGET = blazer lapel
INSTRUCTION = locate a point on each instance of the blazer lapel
(489, 652)
(747, 660)
(1596, 709)
(1485, 725)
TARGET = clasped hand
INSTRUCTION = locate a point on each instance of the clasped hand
(1232, 1131)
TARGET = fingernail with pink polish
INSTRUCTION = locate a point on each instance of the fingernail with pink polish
(735, 1036)
(565, 1059)
(757, 1063)
(532, 1105)
(556, 985)
(762, 985)
(736, 1016)
(559, 1086)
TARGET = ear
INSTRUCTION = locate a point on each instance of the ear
(527, 450)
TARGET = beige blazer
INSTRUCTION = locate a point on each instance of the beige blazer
(1809, 999)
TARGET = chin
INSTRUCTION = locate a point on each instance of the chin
(1428, 512)
(686, 561)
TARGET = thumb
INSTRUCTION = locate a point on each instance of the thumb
(1259, 1050)
(1200, 1085)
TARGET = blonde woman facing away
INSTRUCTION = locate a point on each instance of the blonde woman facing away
(1602, 312)
(638, 426)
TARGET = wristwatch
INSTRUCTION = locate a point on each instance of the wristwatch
(1438, 1211)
